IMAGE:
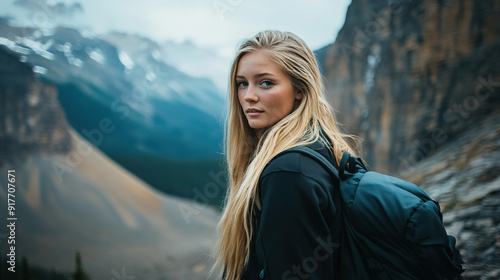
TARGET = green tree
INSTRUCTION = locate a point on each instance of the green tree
(79, 273)
(26, 269)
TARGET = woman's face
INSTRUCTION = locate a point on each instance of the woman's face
(265, 92)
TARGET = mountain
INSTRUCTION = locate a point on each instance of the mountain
(69, 196)
(418, 81)
(154, 109)
(119, 94)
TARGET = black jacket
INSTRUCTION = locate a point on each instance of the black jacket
(294, 236)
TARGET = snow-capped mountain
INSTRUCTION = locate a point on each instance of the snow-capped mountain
(123, 83)
(145, 64)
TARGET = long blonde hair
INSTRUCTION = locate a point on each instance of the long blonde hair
(247, 155)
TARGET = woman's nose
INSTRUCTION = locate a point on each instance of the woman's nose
(251, 95)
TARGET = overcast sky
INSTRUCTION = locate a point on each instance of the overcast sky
(218, 24)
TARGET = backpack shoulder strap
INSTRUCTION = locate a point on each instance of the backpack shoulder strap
(316, 156)
(347, 163)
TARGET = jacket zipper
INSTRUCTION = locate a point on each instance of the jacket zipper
(263, 271)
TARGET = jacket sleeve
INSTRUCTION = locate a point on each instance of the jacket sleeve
(293, 235)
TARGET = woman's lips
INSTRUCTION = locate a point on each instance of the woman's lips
(252, 112)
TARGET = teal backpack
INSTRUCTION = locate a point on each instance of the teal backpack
(391, 229)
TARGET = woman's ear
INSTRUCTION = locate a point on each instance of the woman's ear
(298, 95)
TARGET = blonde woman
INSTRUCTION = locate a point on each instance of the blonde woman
(279, 212)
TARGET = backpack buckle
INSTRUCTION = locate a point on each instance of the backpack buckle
(348, 163)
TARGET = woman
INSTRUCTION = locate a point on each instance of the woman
(278, 218)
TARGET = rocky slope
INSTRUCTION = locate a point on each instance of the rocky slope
(69, 196)
(464, 177)
(419, 82)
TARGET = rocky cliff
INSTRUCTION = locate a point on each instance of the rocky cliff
(410, 76)
(31, 119)
(419, 82)
(69, 196)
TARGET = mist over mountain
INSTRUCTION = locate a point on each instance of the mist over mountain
(56, 8)
(71, 197)
(198, 62)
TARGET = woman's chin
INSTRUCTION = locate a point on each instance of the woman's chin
(256, 125)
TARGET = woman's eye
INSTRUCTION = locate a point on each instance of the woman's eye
(267, 83)
(242, 84)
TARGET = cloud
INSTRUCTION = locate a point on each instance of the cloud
(53, 8)
(203, 22)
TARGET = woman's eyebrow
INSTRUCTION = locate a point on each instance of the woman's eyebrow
(256, 75)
